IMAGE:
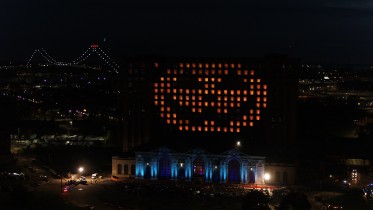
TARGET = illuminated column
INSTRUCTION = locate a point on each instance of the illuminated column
(211, 171)
(208, 171)
(243, 172)
(188, 170)
(140, 168)
(259, 175)
(154, 169)
(223, 172)
(174, 169)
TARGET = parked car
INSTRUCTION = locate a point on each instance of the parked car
(328, 206)
(114, 178)
(82, 180)
(43, 178)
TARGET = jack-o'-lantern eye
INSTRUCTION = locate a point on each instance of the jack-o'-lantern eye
(210, 97)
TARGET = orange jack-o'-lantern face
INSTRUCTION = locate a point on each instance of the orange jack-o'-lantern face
(210, 97)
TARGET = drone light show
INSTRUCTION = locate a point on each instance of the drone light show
(210, 97)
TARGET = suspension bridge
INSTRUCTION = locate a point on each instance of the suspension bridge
(93, 49)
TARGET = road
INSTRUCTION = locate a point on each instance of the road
(107, 195)
(79, 195)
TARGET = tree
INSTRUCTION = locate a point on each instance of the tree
(255, 200)
(296, 200)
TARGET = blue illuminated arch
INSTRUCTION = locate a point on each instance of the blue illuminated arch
(147, 174)
(164, 163)
(234, 171)
(251, 176)
(216, 172)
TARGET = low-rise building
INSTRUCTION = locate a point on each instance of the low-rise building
(231, 166)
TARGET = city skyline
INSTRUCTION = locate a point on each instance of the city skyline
(317, 32)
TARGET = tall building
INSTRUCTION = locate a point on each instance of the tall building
(210, 102)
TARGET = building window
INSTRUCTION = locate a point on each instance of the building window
(285, 177)
(119, 169)
(278, 178)
(126, 169)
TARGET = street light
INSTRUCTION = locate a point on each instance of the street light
(69, 127)
(267, 177)
(81, 169)
(238, 144)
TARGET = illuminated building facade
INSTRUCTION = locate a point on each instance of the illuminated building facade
(210, 101)
(232, 166)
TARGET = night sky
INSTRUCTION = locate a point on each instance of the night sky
(317, 31)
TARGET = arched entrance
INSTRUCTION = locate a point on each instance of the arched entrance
(119, 170)
(181, 173)
(147, 171)
(216, 174)
(251, 176)
(164, 167)
(199, 169)
(234, 171)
